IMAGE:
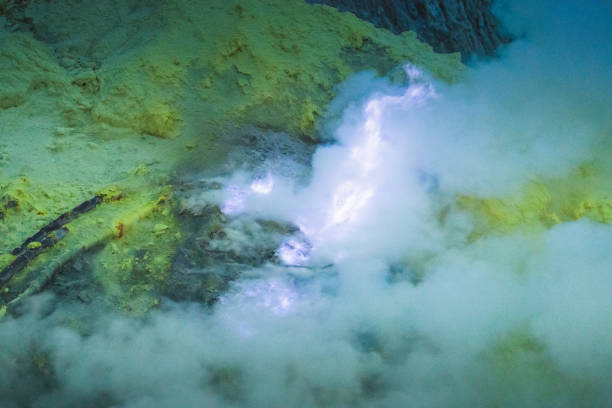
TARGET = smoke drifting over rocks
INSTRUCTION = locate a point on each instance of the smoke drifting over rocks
(392, 301)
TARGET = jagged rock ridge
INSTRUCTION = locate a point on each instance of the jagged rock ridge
(467, 26)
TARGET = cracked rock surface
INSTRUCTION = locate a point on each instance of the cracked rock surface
(467, 26)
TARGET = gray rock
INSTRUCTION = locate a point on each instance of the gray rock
(467, 26)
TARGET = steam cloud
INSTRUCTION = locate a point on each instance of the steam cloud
(380, 302)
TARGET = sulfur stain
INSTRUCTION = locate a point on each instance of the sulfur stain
(584, 193)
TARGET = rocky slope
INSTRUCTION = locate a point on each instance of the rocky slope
(128, 94)
(467, 26)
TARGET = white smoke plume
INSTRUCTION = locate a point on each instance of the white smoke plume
(378, 302)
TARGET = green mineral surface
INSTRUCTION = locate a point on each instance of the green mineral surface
(119, 99)
(88, 104)
(586, 192)
(136, 99)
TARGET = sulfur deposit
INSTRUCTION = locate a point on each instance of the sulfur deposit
(269, 203)
(128, 95)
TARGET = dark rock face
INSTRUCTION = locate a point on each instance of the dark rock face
(13, 11)
(467, 26)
